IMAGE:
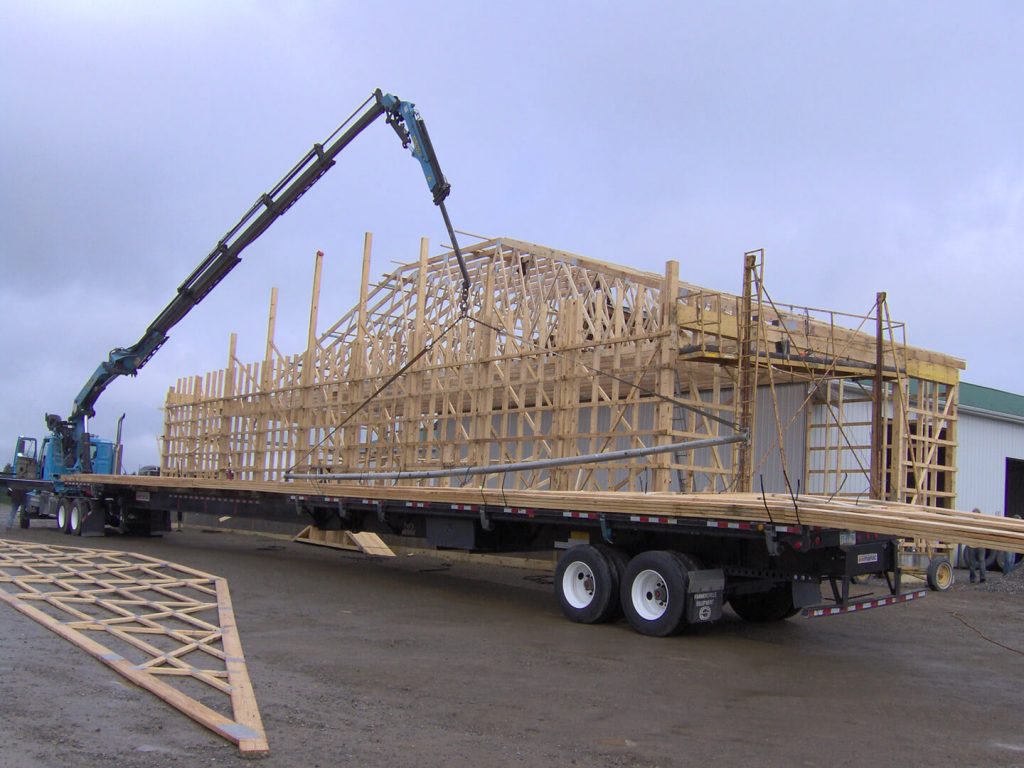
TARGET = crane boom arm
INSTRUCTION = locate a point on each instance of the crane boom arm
(401, 115)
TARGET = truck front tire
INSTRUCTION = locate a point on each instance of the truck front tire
(587, 585)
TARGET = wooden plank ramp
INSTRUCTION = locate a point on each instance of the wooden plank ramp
(168, 628)
(367, 542)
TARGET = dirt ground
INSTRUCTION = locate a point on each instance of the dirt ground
(411, 662)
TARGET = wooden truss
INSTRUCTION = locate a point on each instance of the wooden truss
(562, 355)
(167, 628)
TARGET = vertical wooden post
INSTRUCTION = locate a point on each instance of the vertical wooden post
(668, 348)
(225, 456)
(746, 384)
(564, 420)
(877, 407)
(357, 367)
(483, 404)
(314, 305)
(411, 406)
(303, 425)
(261, 424)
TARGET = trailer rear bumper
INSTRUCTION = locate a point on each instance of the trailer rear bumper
(862, 604)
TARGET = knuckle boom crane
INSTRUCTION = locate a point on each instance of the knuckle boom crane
(71, 451)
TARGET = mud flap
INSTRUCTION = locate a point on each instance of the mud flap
(704, 596)
(93, 523)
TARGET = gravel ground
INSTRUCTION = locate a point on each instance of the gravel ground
(414, 662)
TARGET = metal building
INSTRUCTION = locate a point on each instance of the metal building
(991, 453)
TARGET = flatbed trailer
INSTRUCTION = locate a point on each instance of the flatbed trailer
(629, 554)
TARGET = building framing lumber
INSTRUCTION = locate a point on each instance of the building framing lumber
(562, 355)
(158, 624)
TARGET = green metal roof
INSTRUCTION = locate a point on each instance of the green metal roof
(989, 399)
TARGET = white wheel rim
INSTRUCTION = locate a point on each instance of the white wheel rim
(650, 595)
(76, 517)
(62, 516)
(578, 584)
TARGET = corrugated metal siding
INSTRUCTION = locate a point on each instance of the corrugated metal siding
(767, 457)
(854, 463)
(984, 447)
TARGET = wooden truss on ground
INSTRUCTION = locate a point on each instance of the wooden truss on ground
(562, 355)
(167, 628)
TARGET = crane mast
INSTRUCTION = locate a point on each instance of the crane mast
(402, 116)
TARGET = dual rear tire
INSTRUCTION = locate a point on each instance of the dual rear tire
(597, 583)
(71, 514)
(587, 583)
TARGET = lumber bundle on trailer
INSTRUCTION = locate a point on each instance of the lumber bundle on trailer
(884, 517)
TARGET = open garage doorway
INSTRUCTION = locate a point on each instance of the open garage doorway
(1014, 500)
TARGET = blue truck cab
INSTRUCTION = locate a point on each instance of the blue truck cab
(46, 465)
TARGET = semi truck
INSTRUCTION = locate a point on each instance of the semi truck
(663, 571)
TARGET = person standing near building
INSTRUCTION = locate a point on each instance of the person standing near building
(976, 559)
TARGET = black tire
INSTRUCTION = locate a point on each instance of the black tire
(615, 556)
(690, 563)
(79, 511)
(653, 593)
(619, 561)
(587, 585)
(940, 576)
(774, 605)
(63, 514)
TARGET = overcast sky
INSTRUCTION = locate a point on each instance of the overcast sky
(866, 145)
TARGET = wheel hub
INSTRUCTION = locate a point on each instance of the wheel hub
(650, 595)
(578, 585)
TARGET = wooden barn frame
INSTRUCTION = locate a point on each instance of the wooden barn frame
(561, 355)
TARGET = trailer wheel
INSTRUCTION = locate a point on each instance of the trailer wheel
(654, 593)
(774, 605)
(63, 514)
(79, 509)
(587, 585)
(940, 575)
(619, 561)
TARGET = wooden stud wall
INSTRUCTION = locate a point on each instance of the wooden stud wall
(560, 355)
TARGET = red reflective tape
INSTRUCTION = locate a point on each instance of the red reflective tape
(520, 511)
(866, 605)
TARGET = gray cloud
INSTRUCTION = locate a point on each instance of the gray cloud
(867, 147)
